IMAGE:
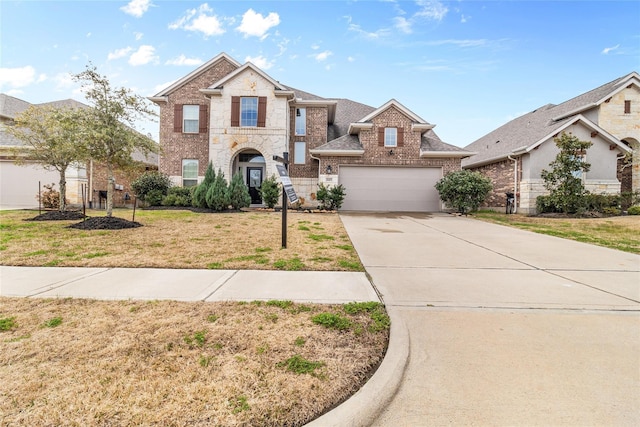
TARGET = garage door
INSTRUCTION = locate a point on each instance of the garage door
(19, 184)
(374, 188)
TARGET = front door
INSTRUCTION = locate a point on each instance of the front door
(254, 181)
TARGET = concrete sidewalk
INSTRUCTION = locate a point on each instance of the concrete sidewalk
(186, 285)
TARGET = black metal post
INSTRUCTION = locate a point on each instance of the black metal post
(285, 156)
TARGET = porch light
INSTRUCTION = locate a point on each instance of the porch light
(391, 152)
(329, 169)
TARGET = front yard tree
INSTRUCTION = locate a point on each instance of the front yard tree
(564, 179)
(200, 193)
(53, 137)
(238, 193)
(464, 190)
(111, 125)
(217, 194)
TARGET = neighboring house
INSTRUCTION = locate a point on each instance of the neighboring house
(514, 155)
(19, 181)
(238, 117)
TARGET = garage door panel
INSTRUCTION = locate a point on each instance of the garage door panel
(390, 188)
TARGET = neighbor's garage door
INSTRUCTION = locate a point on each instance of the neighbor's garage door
(374, 188)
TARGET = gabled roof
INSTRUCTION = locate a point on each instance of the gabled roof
(217, 86)
(195, 73)
(365, 122)
(524, 133)
(10, 106)
(432, 146)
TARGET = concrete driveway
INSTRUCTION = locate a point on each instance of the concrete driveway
(505, 327)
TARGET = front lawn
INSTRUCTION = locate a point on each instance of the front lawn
(182, 239)
(618, 232)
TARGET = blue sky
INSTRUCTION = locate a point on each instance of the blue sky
(466, 66)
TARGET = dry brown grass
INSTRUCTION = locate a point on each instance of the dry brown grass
(618, 232)
(174, 363)
(182, 239)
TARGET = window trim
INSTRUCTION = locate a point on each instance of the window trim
(250, 113)
(300, 122)
(296, 152)
(195, 111)
(387, 137)
(188, 178)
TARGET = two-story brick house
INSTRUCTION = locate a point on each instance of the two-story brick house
(514, 154)
(238, 117)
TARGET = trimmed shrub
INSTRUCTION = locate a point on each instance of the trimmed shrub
(634, 210)
(154, 197)
(178, 196)
(199, 199)
(217, 193)
(151, 181)
(50, 198)
(331, 198)
(270, 191)
(464, 190)
(238, 193)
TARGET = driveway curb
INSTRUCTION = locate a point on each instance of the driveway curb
(367, 404)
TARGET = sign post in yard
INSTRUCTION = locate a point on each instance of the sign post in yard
(288, 193)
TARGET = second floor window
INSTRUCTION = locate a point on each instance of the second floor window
(390, 137)
(627, 107)
(301, 121)
(249, 112)
(190, 118)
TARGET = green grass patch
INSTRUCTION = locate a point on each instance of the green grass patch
(215, 265)
(332, 321)
(197, 339)
(299, 365)
(320, 237)
(7, 323)
(299, 342)
(286, 304)
(303, 228)
(293, 264)
(239, 404)
(95, 255)
(37, 253)
(345, 247)
(351, 265)
(53, 322)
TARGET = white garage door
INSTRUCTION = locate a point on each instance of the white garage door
(19, 184)
(399, 189)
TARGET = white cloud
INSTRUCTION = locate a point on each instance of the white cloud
(608, 50)
(402, 24)
(161, 86)
(254, 24)
(351, 59)
(432, 10)
(137, 35)
(199, 20)
(144, 55)
(375, 35)
(322, 56)
(119, 53)
(260, 61)
(183, 60)
(17, 77)
(136, 8)
(464, 19)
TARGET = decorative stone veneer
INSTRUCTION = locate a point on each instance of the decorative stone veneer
(623, 126)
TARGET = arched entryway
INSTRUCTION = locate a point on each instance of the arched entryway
(252, 166)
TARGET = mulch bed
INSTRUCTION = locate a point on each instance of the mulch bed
(57, 216)
(105, 223)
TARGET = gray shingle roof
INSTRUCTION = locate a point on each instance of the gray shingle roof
(431, 142)
(532, 127)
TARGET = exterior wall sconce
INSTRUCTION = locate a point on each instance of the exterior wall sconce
(391, 152)
(329, 169)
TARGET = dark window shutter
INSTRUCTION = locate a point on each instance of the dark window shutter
(381, 137)
(400, 137)
(262, 111)
(627, 107)
(177, 118)
(203, 119)
(235, 111)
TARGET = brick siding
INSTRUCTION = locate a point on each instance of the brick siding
(177, 146)
(501, 175)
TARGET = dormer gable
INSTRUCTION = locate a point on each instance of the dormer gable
(217, 87)
(366, 123)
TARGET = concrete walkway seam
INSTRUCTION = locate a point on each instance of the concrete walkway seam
(364, 407)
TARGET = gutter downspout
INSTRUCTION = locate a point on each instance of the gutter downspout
(515, 183)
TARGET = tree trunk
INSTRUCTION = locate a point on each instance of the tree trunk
(62, 205)
(110, 181)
